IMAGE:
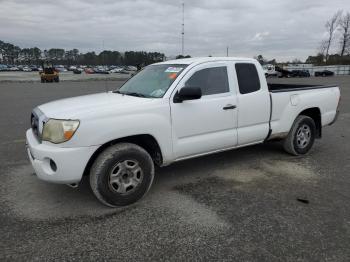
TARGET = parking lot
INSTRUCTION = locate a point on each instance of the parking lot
(64, 76)
(238, 205)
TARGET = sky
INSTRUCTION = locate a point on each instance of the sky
(281, 29)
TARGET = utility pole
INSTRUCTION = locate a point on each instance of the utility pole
(183, 29)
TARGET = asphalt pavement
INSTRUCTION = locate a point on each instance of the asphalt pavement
(234, 206)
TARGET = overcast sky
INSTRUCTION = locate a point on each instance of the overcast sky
(282, 29)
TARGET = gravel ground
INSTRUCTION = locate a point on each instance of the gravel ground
(239, 205)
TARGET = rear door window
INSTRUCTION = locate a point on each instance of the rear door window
(248, 78)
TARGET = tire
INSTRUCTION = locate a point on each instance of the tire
(42, 80)
(301, 137)
(57, 79)
(132, 170)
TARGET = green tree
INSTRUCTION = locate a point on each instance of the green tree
(56, 54)
(344, 28)
(182, 56)
(260, 59)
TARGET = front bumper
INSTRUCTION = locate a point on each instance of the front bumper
(70, 162)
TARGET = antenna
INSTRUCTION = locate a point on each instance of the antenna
(227, 51)
(183, 28)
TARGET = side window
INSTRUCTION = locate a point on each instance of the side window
(248, 78)
(211, 80)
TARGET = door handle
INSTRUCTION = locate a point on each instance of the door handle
(227, 107)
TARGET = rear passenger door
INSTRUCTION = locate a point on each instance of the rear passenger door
(209, 123)
(253, 104)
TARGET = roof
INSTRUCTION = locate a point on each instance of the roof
(188, 61)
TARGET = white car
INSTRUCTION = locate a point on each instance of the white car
(27, 69)
(61, 68)
(270, 70)
(117, 70)
(168, 112)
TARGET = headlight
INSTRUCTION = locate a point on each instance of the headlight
(59, 131)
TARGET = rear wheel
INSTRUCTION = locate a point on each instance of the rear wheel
(121, 175)
(57, 79)
(301, 137)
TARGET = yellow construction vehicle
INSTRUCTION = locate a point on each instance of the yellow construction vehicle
(49, 73)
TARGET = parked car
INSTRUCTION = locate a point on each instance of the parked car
(130, 68)
(77, 71)
(3, 67)
(117, 70)
(60, 68)
(101, 70)
(300, 73)
(72, 68)
(89, 70)
(324, 73)
(14, 68)
(27, 69)
(34, 68)
(282, 72)
(168, 112)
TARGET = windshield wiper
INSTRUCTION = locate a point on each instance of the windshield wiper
(132, 94)
(135, 94)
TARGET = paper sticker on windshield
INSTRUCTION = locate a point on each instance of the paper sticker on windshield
(173, 69)
(172, 75)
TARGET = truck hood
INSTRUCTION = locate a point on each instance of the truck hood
(82, 106)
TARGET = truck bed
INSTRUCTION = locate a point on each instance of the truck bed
(275, 88)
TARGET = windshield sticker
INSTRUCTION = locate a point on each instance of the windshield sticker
(173, 76)
(173, 69)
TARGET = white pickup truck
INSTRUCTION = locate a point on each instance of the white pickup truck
(168, 112)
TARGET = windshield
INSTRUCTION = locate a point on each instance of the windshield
(153, 81)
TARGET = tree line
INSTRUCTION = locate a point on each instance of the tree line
(338, 33)
(12, 54)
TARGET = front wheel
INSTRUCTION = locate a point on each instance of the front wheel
(121, 175)
(301, 137)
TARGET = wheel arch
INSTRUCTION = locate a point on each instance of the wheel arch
(315, 114)
(146, 141)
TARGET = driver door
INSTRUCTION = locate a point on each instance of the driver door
(210, 123)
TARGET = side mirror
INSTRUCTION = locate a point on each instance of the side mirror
(187, 93)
